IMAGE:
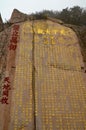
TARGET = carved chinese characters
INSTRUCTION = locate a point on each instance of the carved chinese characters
(6, 88)
(14, 38)
(10, 66)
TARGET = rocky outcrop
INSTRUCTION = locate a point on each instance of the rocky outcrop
(41, 75)
(18, 16)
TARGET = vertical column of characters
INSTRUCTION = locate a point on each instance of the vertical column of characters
(43, 81)
(10, 63)
(22, 110)
(14, 38)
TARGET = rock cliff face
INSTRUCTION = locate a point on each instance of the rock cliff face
(81, 34)
(42, 76)
(1, 24)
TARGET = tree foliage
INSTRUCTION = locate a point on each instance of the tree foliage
(75, 15)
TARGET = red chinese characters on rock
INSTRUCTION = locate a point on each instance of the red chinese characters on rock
(14, 38)
(5, 93)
